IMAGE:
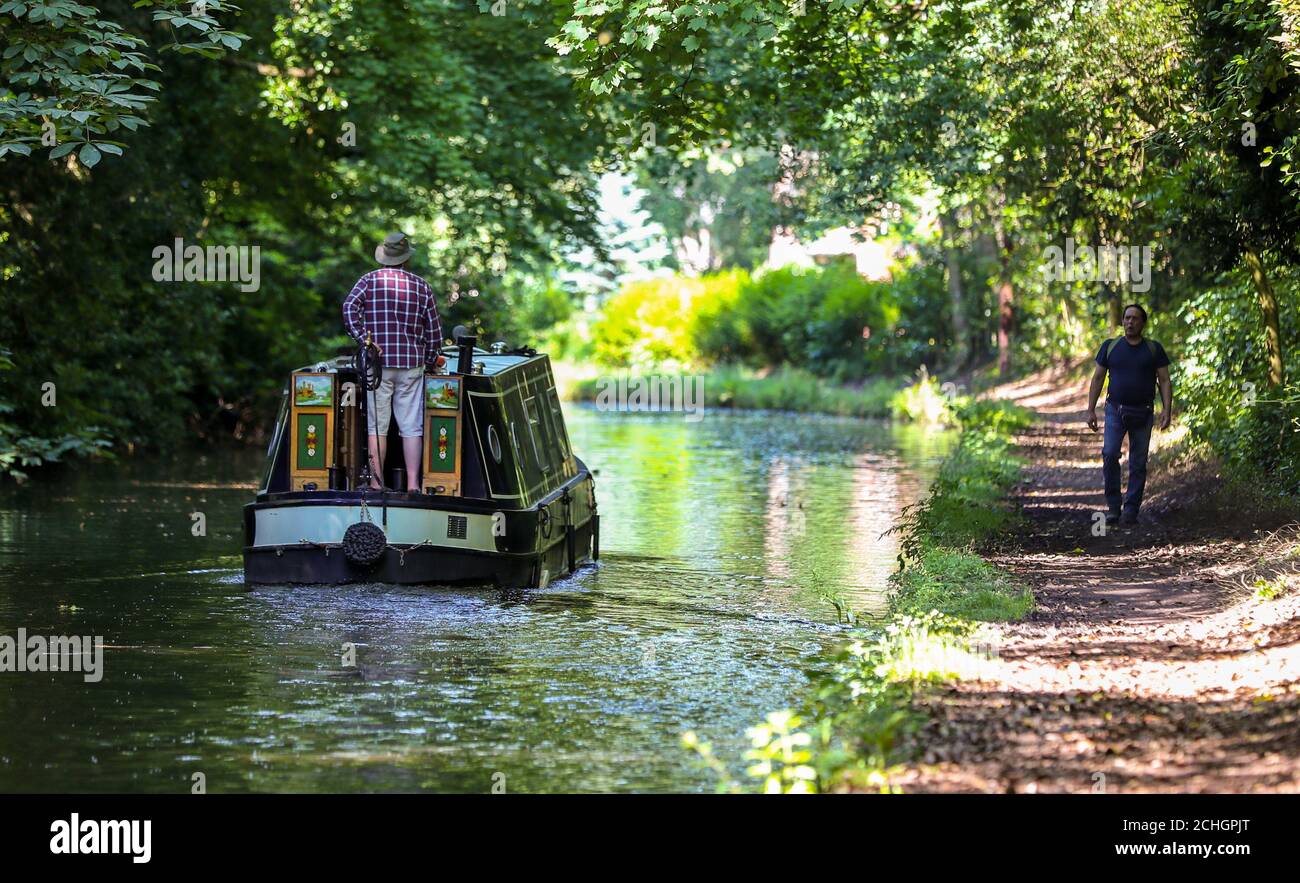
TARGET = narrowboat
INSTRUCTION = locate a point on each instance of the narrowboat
(502, 500)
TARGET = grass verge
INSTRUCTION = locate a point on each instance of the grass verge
(966, 510)
(788, 389)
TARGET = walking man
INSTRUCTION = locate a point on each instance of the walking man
(396, 308)
(1136, 365)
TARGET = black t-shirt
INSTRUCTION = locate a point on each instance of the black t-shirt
(1132, 370)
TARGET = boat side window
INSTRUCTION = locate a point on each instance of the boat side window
(535, 429)
(561, 433)
(494, 442)
(514, 441)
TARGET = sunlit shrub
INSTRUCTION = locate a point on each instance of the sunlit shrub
(646, 324)
(829, 320)
(922, 402)
(719, 330)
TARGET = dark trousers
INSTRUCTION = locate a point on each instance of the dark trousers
(1139, 440)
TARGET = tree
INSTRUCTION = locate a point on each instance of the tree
(719, 202)
(81, 72)
(1241, 154)
(334, 124)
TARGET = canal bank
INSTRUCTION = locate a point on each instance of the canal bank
(732, 388)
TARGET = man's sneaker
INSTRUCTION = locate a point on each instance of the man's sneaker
(1112, 517)
(1128, 518)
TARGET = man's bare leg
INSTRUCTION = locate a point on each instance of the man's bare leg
(411, 451)
(378, 448)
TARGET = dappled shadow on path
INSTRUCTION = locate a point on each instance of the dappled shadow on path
(1000, 741)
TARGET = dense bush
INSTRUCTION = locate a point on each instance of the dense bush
(831, 321)
(1221, 383)
(653, 323)
(923, 333)
(21, 451)
(828, 320)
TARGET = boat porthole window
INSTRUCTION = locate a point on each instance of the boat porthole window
(494, 443)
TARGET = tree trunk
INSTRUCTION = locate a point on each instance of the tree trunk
(1006, 299)
(987, 246)
(1006, 294)
(1268, 305)
(957, 299)
(1109, 291)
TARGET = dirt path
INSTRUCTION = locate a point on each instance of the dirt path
(1147, 665)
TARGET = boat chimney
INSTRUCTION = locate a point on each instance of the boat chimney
(465, 342)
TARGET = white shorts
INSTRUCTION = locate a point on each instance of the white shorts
(401, 390)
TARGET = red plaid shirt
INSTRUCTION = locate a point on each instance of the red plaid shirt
(398, 309)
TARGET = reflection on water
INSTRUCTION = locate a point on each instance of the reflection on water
(725, 545)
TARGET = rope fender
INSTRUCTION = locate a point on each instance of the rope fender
(364, 543)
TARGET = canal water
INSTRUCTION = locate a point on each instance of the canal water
(729, 547)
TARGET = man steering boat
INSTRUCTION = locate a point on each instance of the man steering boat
(395, 310)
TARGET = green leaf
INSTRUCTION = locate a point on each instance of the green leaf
(576, 30)
(89, 156)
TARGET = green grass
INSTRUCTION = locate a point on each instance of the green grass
(967, 509)
(794, 389)
(968, 502)
(962, 585)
